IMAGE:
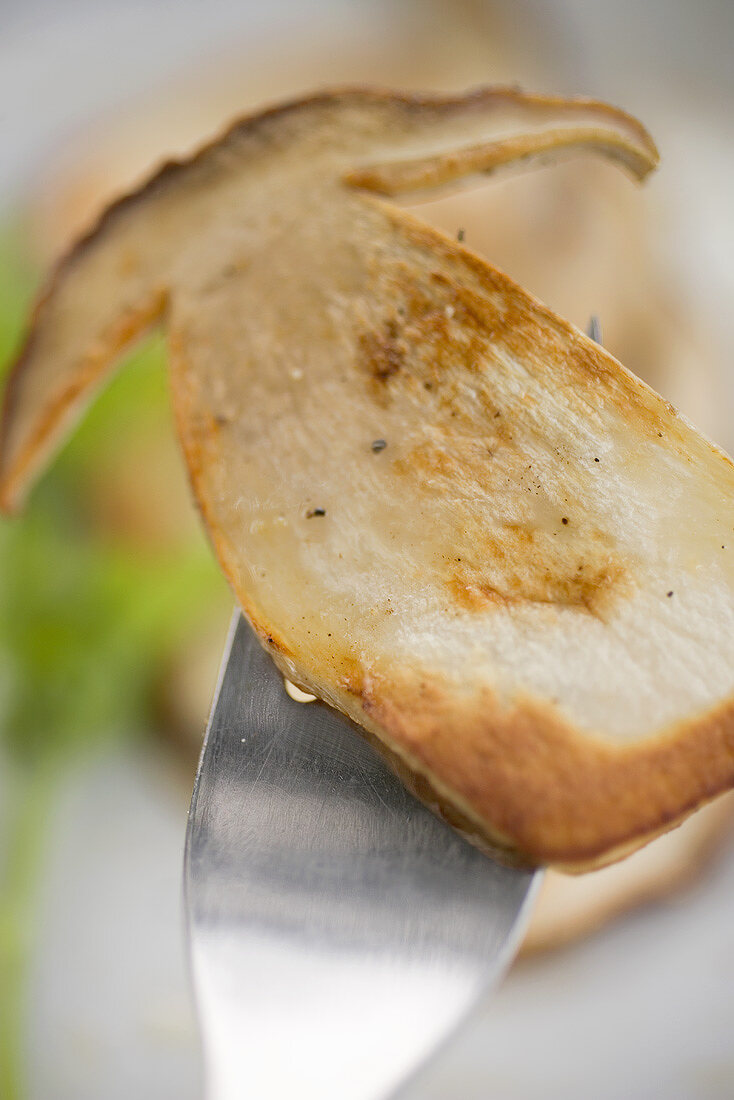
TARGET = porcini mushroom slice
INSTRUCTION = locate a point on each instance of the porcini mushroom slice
(445, 510)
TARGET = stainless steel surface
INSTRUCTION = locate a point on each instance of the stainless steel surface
(338, 930)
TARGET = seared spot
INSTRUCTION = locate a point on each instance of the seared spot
(432, 347)
(512, 520)
(420, 344)
(381, 356)
(466, 465)
(529, 333)
(516, 563)
(510, 580)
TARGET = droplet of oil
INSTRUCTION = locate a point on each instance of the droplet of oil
(296, 694)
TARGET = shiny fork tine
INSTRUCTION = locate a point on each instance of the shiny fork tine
(338, 930)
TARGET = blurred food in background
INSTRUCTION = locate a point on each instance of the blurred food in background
(570, 907)
(112, 610)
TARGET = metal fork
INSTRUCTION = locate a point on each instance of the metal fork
(338, 930)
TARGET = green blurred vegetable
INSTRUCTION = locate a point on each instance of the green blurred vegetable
(87, 623)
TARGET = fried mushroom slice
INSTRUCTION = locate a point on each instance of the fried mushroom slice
(445, 511)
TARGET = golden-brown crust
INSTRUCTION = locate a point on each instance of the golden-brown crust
(423, 173)
(127, 327)
(194, 447)
(335, 98)
(568, 799)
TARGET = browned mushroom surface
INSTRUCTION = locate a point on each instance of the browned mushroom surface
(524, 595)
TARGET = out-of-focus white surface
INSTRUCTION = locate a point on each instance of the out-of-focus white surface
(109, 1007)
(67, 62)
(643, 1011)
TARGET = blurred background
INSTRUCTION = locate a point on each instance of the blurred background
(113, 614)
